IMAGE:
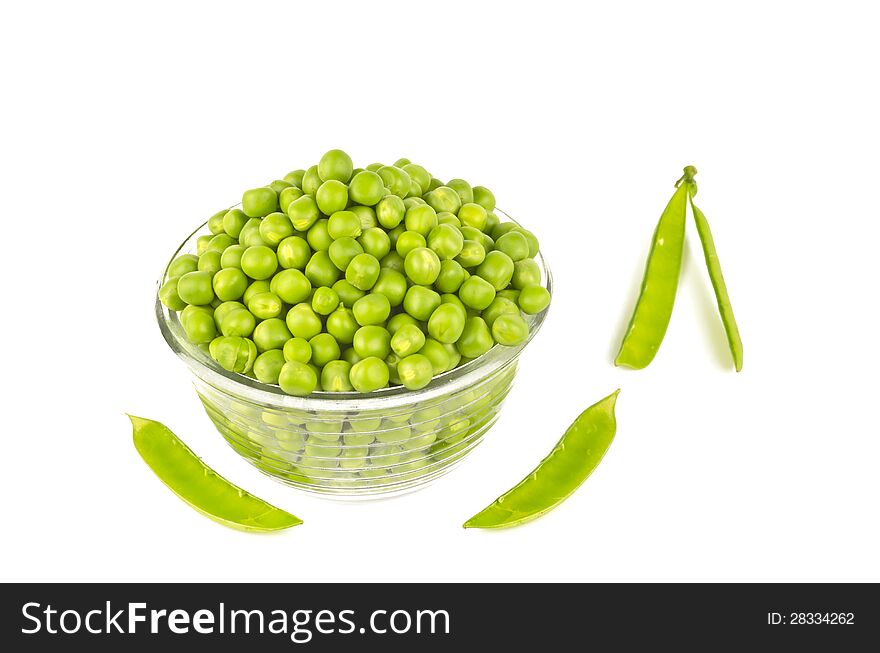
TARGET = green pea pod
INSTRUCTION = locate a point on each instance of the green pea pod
(571, 462)
(654, 307)
(721, 296)
(199, 485)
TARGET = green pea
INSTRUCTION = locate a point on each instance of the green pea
(342, 325)
(472, 254)
(366, 214)
(375, 242)
(422, 265)
(351, 356)
(234, 221)
(318, 236)
(453, 354)
(372, 341)
(392, 261)
(196, 288)
(362, 271)
(420, 302)
(229, 284)
(446, 241)
(215, 222)
(324, 349)
(447, 323)
(534, 299)
(472, 215)
(534, 247)
(256, 288)
(408, 339)
(259, 262)
(449, 298)
(297, 379)
(509, 293)
(303, 212)
(476, 339)
(198, 324)
(202, 244)
(224, 308)
(267, 366)
(335, 378)
(209, 262)
(436, 353)
(417, 173)
(274, 228)
(484, 197)
(412, 201)
(321, 271)
(399, 320)
(294, 252)
(265, 305)
(503, 228)
(443, 199)
(367, 188)
(220, 242)
(390, 211)
(354, 457)
(303, 322)
(408, 241)
(394, 234)
(238, 322)
(373, 308)
(279, 185)
(325, 300)
(526, 273)
(335, 165)
(415, 371)
(233, 353)
(451, 276)
(231, 257)
(464, 190)
(297, 349)
(369, 374)
(398, 181)
(258, 202)
(499, 306)
(311, 181)
(250, 234)
(271, 333)
(434, 184)
(332, 196)
(348, 294)
(183, 264)
(402, 161)
(476, 293)
(445, 217)
(291, 285)
(392, 284)
(510, 329)
(344, 224)
(421, 219)
(295, 177)
(492, 221)
(514, 244)
(168, 295)
(497, 268)
(288, 195)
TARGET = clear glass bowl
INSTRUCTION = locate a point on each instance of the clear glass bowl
(351, 444)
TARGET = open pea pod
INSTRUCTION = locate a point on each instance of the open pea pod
(714, 266)
(571, 462)
(659, 285)
(199, 485)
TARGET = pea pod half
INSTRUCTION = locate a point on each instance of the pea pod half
(199, 485)
(572, 460)
(714, 266)
(659, 285)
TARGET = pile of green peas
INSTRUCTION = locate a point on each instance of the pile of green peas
(340, 279)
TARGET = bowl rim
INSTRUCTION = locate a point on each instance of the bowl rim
(209, 371)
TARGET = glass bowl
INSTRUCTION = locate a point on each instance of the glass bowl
(350, 444)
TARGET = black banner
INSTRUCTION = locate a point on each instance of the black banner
(407, 617)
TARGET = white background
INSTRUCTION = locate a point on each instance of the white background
(124, 126)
